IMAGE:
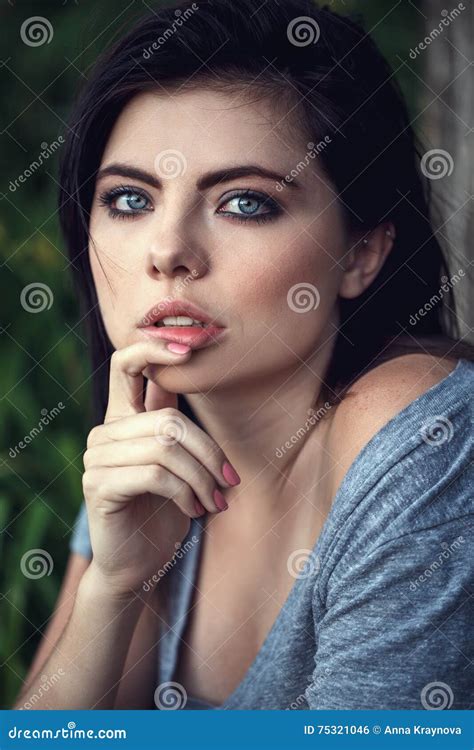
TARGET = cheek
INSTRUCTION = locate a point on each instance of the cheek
(296, 285)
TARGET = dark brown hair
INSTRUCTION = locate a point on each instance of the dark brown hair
(343, 88)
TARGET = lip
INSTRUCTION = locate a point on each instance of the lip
(174, 307)
(196, 338)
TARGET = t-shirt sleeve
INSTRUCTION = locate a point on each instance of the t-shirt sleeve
(80, 541)
(396, 630)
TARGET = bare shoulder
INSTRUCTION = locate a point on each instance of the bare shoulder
(375, 398)
(391, 386)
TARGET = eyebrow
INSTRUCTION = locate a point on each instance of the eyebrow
(208, 180)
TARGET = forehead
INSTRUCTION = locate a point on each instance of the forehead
(205, 125)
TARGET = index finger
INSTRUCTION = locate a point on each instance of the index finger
(126, 377)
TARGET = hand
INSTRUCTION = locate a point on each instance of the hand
(145, 467)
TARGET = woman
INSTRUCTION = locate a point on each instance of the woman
(276, 488)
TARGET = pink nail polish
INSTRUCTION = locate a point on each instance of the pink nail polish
(173, 346)
(230, 475)
(219, 500)
(200, 509)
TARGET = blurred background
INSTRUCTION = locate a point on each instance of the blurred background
(45, 376)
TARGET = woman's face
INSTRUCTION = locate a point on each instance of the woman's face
(181, 233)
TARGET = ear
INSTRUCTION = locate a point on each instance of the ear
(365, 259)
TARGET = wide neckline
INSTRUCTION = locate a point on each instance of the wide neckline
(413, 406)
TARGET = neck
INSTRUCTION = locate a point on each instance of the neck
(263, 427)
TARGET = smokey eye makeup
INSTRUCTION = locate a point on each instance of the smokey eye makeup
(126, 202)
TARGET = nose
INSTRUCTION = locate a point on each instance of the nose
(175, 256)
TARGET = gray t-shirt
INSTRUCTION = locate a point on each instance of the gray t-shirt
(381, 615)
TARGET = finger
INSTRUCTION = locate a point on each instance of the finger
(146, 451)
(164, 424)
(126, 376)
(157, 398)
(122, 484)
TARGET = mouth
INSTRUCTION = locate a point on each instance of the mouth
(179, 321)
(196, 336)
(183, 322)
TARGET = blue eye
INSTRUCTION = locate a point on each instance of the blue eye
(248, 204)
(125, 202)
(130, 202)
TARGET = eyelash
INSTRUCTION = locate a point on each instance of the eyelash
(106, 199)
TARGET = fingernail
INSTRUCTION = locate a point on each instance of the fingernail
(219, 500)
(200, 509)
(173, 346)
(229, 473)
